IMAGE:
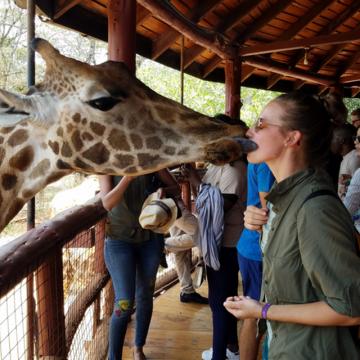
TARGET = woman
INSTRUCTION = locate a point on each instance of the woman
(132, 255)
(311, 279)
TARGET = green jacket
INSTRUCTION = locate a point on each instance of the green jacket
(311, 255)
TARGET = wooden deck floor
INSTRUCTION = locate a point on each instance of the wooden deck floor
(177, 332)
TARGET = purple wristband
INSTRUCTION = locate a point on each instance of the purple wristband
(264, 310)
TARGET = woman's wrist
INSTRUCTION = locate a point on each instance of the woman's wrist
(264, 310)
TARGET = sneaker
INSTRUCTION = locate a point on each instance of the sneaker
(207, 355)
(194, 298)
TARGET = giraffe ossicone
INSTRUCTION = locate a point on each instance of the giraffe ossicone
(101, 120)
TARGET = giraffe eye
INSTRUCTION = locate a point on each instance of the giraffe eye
(103, 103)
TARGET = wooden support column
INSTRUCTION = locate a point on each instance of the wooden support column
(49, 280)
(122, 31)
(232, 87)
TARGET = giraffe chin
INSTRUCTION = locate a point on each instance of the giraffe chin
(227, 150)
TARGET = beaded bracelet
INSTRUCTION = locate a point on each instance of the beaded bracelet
(264, 310)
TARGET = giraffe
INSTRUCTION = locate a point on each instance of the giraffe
(97, 119)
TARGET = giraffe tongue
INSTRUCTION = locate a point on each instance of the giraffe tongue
(246, 144)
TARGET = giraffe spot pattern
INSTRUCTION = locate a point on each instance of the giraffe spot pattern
(146, 160)
(97, 128)
(40, 169)
(6, 130)
(132, 123)
(136, 141)
(165, 113)
(153, 143)
(123, 161)
(55, 176)
(131, 170)
(27, 194)
(66, 150)
(183, 151)
(84, 121)
(18, 137)
(117, 139)
(8, 181)
(97, 154)
(87, 136)
(62, 164)
(77, 117)
(60, 131)
(170, 134)
(2, 155)
(69, 127)
(1, 139)
(76, 140)
(169, 150)
(22, 159)
(15, 207)
(54, 146)
(83, 165)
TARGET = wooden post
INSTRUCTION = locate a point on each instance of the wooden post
(122, 31)
(232, 87)
(51, 308)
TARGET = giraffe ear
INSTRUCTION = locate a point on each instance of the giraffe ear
(16, 108)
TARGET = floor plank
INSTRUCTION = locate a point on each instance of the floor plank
(178, 331)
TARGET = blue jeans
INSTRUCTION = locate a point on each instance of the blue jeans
(222, 284)
(133, 269)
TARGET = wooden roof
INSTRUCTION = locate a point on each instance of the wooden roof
(283, 44)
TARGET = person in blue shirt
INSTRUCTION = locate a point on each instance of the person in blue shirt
(259, 180)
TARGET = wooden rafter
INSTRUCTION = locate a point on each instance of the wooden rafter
(264, 19)
(352, 61)
(65, 7)
(169, 37)
(278, 46)
(314, 12)
(279, 68)
(142, 15)
(246, 72)
(224, 26)
(350, 11)
(211, 40)
(258, 24)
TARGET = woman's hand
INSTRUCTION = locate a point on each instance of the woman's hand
(243, 307)
(255, 218)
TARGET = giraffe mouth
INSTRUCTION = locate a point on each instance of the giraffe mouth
(9, 116)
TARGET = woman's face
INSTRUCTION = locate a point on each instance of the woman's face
(357, 143)
(268, 134)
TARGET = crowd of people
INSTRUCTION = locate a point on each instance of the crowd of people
(286, 218)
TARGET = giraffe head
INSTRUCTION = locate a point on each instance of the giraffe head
(102, 120)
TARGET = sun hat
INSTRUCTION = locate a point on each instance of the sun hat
(158, 215)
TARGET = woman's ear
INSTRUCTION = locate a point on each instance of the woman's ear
(294, 138)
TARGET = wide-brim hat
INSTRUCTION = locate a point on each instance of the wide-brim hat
(158, 215)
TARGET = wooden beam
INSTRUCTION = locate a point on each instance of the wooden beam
(142, 15)
(316, 10)
(65, 7)
(278, 46)
(299, 84)
(224, 26)
(355, 91)
(350, 11)
(169, 37)
(263, 20)
(349, 79)
(299, 26)
(272, 80)
(348, 65)
(211, 40)
(211, 65)
(246, 72)
(282, 69)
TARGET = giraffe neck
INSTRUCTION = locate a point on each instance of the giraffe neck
(27, 166)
